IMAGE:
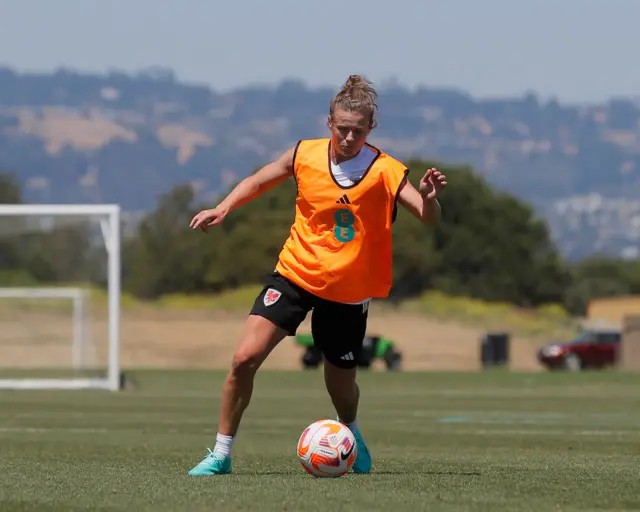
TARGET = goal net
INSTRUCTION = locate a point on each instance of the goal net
(59, 296)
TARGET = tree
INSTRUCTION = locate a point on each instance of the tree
(164, 256)
(10, 192)
(11, 255)
(491, 246)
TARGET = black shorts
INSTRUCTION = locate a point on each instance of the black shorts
(338, 330)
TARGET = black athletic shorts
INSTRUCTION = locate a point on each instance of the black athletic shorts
(338, 330)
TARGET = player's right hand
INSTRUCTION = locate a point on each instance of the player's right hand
(208, 218)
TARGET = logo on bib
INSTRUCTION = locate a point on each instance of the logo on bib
(271, 297)
(344, 231)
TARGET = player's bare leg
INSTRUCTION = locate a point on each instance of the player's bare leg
(259, 338)
(345, 395)
(343, 390)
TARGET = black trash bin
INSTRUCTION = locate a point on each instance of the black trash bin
(494, 349)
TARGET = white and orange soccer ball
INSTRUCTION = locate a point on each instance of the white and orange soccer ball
(327, 448)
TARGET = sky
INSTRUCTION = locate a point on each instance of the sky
(574, 50)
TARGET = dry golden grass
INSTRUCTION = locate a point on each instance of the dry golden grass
(198, 338)
(612, 310)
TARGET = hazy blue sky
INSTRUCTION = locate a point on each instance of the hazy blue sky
(576, 50)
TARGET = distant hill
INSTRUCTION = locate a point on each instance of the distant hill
(124, 138)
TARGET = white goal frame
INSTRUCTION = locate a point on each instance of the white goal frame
(109, 216)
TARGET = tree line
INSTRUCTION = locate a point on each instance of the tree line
(488, 245)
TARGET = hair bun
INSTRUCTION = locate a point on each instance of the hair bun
(355, 81)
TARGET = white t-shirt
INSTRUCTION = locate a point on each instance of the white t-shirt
(350, 172)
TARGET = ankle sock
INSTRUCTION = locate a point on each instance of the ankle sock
(223, 445)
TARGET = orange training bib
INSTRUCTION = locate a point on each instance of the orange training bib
(339, 247)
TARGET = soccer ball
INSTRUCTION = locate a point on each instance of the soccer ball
(327, 448)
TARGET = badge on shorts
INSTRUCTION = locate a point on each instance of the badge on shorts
(271, 297)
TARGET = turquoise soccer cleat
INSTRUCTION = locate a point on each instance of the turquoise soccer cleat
(212, 464)
(363, 462)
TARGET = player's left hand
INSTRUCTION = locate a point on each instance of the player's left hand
(432, 183)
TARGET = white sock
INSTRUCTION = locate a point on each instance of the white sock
(223, 445)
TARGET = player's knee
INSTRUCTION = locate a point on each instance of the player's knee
(245, 363)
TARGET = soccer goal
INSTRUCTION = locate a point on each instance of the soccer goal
(60, 276)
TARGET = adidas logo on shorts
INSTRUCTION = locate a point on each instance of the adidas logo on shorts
(348, 357)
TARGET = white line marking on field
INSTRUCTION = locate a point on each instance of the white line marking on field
(546, 432)
(38, 430)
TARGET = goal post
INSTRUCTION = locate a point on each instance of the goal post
(22, 218)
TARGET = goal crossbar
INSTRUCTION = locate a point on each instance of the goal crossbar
(35, 384)
(59, 209)
(111, 236)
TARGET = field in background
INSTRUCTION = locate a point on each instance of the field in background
(433, 332)
(545, 321)
(441, 441)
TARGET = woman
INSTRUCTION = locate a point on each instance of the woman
(336, 259)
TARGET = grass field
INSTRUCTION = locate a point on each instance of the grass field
(441, 441)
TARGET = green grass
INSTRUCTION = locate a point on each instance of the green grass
(455, 442)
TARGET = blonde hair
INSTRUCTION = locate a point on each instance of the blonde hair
(357, 93)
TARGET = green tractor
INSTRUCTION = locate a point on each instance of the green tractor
(374, 347)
